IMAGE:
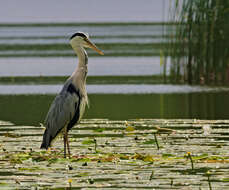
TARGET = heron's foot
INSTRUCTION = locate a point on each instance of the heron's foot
(66, 144)
(65, 153)
(69, 155)
(68, 147)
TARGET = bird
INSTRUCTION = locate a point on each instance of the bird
(68, 106)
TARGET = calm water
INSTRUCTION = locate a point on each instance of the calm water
(113, 89)
(31, 109)
(141, 39)
(29, 50)
(64, 66)
(130, 49)
(33, 50)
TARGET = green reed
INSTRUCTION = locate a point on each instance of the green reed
(202, 28)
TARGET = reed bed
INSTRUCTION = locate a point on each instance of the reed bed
(202, 56)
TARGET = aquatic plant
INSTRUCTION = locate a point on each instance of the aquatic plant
(208, 173)
(155, 137)
(121, 160)
(200, 43)
(189, 156)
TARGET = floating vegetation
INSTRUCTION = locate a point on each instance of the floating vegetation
(115, 158)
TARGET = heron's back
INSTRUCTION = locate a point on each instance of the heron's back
(65, 111)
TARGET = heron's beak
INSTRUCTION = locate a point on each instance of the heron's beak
(93, 46)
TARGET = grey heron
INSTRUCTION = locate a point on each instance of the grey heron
(68, 106)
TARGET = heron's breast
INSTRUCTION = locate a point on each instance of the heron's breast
(83, 104)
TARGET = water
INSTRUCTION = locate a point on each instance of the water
(64, 66)
(32, 50)
(126, 155)
(113, 89)
(53, 40)
(130, 49)
(32, 109)
(96, 31)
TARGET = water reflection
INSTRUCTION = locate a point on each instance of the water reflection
(112, 89)
(65, 66)
(31, 109)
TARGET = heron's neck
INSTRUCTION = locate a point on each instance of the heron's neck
(80, 74)
(82, 56)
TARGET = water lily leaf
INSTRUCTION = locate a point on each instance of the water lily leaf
(130, 128)
(145, 158)
(53, 160)
(83, 174)
(29, 169)
(167, 155)
(225, 179)
(201, 157)
(124, 157)
(99, 130)
(11, 135)
(110, 159)
(151, 141)
(3, 184)
(148, 158)
(88, 141)
(138, 156)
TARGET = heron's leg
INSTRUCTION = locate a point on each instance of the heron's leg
(68, 147)
(65, 139)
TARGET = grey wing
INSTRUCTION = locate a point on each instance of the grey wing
(61, 112)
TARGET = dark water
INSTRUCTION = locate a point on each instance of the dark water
(31, 109)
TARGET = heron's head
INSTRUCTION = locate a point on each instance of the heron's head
(80, 39)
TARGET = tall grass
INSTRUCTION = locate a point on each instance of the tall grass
(202, 32)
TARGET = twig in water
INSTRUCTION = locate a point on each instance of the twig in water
(155, 138)
(209, 181)
(151, 176)
(171, 183)
(190, 157)
(95, 145)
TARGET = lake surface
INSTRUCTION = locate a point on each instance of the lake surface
(116, 39)
(28, 104)
(32, 109)
(113, 89)
(126, 154)
(131, 49)
(64, 66)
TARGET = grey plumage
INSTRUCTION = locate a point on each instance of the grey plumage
(64, 109)
(68, 106)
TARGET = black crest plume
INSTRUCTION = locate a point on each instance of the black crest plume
(78, 34)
